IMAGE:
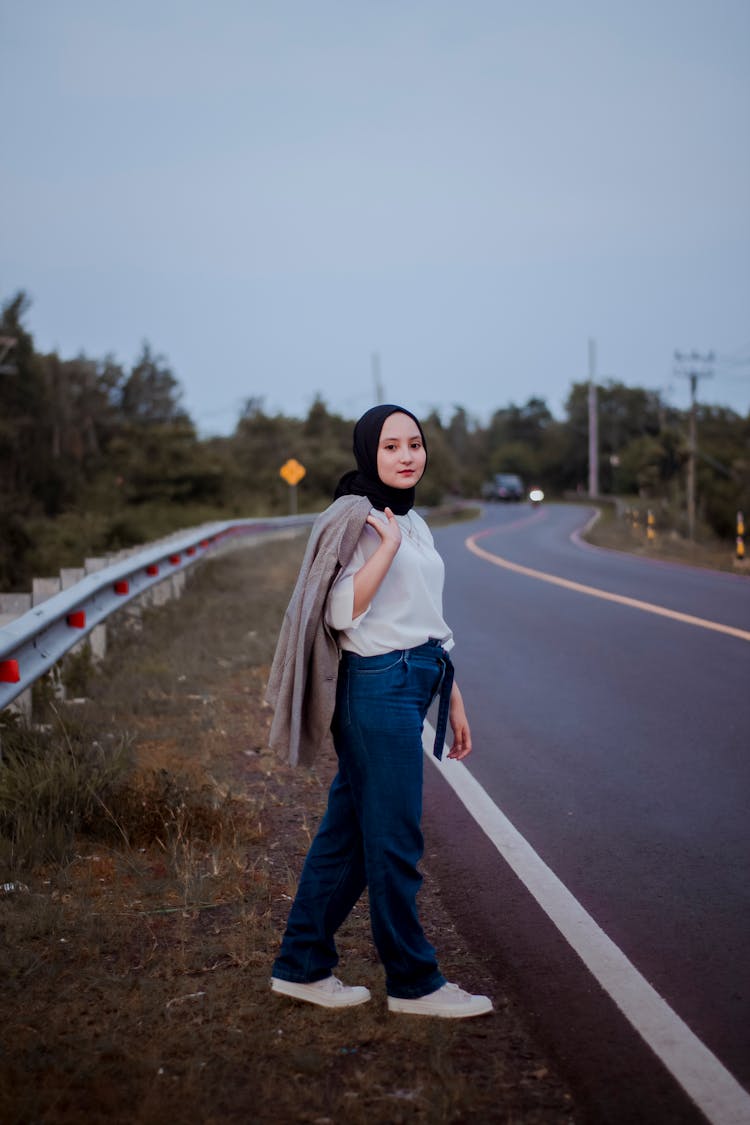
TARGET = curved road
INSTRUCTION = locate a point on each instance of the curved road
(615, 739)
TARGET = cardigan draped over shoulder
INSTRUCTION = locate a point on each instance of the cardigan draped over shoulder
(302, 682)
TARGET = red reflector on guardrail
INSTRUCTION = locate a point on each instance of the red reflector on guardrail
(204, 542)
(77, 620)
(174, 559)
(152, 569)
(190, 551)
(122, 587)
(9, 672)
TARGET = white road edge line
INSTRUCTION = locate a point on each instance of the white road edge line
(710, 1085)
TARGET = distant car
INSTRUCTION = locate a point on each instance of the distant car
(503, 486)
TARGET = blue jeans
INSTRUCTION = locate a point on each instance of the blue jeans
(370, 834)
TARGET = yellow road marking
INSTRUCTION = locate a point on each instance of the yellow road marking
(605, 595)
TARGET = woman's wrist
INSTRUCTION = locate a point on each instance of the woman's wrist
(388, 549)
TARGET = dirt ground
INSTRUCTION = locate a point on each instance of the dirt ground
(135, 970)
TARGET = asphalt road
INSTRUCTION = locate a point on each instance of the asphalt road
(616, 741)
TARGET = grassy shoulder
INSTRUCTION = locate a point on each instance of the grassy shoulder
(457, 512)
(627, 530)
(139, 925)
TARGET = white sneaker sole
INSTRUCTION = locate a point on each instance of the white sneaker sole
(481, 1006)
(350, 999)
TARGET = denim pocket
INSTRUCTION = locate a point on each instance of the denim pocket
(374, 689)
(375, 665)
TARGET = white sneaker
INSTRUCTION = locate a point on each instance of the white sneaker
(448, 1002)
(329, 992)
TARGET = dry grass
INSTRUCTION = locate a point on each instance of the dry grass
(135, 966)
(52, 784)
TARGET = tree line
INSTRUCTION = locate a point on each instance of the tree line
(95, 456)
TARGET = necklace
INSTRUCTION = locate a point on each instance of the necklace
(409, 527)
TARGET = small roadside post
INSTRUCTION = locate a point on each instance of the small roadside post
(292, 472)
(739, 556)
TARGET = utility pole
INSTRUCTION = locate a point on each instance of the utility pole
(695, 367)
(377, 382)
(593, 424)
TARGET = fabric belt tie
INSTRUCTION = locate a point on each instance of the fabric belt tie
(444, 689)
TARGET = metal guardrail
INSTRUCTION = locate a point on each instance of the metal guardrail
(31, 644)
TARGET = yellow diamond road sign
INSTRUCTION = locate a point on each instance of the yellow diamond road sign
(292, 471)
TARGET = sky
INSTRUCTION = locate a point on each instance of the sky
(291, 198)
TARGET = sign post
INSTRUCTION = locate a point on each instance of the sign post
(292, 472)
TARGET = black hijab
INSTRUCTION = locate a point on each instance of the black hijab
(364, 480)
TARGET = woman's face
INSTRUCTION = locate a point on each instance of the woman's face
(401, 453)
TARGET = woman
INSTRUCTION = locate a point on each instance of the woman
(369, 599)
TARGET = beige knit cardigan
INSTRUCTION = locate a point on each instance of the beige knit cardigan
(302, 682)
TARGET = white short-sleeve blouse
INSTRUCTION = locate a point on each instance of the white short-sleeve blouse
(407, 609)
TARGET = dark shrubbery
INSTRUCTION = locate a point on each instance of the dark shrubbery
(94, 457)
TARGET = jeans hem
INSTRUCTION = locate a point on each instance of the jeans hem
(414, 992)
(297, 978)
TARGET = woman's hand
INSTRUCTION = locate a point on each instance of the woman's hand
(390, 532)
(459, 725)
